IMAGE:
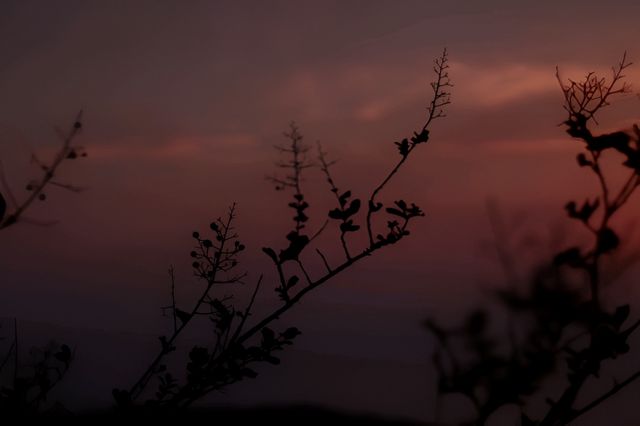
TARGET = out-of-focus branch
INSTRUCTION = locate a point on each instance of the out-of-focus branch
(37, 187)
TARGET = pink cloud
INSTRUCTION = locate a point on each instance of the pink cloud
(534, 146)
(181, 147)
(374, 91)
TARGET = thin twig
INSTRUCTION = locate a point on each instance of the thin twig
(599, 400)
(37, 191)
(324, 260)
(440, 99)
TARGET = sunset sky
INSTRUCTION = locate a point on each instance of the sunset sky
(184, 100)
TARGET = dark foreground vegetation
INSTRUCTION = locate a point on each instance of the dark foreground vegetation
(557, 321)
(281, 415)
(559, 324)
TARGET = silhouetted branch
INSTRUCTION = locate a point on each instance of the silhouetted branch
(586, 97)
(211, 259)
(229, 357)
(324, 260)
(30, 386)
(247, 312)
(172, 307)
(555, 301)
(440, 99)
(325, 164)
(7, 356)
(37, 187)
(582, 101)
(27, 392)
(7, 190)
(593, 404)
(296, 165)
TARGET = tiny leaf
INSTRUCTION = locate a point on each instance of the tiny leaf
(336, 214)
(353, 208)
(291, 333)
(182, 315)
(396, 212)
(621, 314)
(292, 281)
(271, 253)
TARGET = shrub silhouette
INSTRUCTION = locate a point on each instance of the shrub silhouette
(31, 383)
(28, 385)
(240, 342)
(563, 294)
(558, 320)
